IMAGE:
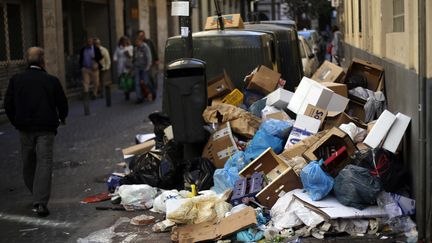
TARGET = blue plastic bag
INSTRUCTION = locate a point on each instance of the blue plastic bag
(315, 181)
(226, 177)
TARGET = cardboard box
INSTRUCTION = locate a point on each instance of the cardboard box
(282, 178)
(337, 119)
(264, 80)
(316, 112)
(139, 148)
(212, 231)
(356, 109)
(338, 88)
(304, 126)
(396, 132)
(220, 86)
(380, 129)
(314, 93)
(279, 98)
(372, 72)
(332, 141)
(299, 148)
(230, 21)
(328, 72)
(220, 146)
(284, 183)
(268, 163)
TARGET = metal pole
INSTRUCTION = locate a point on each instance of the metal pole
(422, 213)
(186, 26)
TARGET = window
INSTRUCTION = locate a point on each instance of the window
(11, 35)
(398, 16)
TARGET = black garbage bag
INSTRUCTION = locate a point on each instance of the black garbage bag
(144, 170)
(389, 168)
(198, 171)
(160, 121)
(159, 169)
(355, 187)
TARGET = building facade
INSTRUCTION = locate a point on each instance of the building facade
(62, 26)
(397, 34)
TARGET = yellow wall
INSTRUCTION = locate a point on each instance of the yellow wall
(377, 36)
(429, 39)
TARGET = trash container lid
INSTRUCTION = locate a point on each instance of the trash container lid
(183, 63)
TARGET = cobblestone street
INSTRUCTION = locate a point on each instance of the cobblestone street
(87, 149)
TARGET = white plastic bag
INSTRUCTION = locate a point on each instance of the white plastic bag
(137, 196)
(282, 212)
(159, 203)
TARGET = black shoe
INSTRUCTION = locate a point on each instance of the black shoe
(42, 210)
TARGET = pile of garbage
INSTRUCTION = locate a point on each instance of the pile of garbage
(335, 169)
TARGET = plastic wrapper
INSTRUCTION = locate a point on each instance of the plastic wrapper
(375, 102)
(283, 212)
(307, 216)
(356, 134)
(315, 181)
(355, 187)
(257, 107)
(137, 196)
(386, 201)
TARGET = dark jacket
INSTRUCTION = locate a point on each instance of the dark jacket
(35, 101)
(152, 49)
(97, 56)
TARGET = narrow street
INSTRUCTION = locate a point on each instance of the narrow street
(87, 149)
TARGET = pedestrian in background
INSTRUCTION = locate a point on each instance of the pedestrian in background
(155, 61)
(123, 59)
(142, 60)
(337, 47)
(36, 105)
(105, 65)
(89, 59)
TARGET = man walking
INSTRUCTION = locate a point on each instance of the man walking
(155, 61)
(89, 59)
(105, 65)
(141, 64)
(36, 104)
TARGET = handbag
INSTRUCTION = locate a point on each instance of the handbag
(126, 82)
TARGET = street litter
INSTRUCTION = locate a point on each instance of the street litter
(100, 197)
(335, 167)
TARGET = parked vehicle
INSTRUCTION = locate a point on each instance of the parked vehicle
(309, 60)
(312, 37)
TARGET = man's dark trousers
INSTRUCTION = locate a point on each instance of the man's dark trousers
(37, 153)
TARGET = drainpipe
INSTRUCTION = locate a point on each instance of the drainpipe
(422, 110)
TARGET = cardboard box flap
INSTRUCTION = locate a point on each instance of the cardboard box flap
(328, 72)
(220, 146)
(220, 86)
(230, 21)
(213, 231)
(263, 79)
(139, 148)
(268, 163)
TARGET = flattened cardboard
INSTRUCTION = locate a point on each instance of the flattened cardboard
(330, 208)
(396, 132)
(220, 146)
(304, 127)
(316, 112)
(338, 88)
(139, 148)
(264, 80)
(212, 230)
(268, 163)
(328, 72)
(281, 115)
(279, 98)
(356, 109)
(334, 137)
(284, 183)
(230, 21)
(220, 86)
(372, 72)
(380, 129)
